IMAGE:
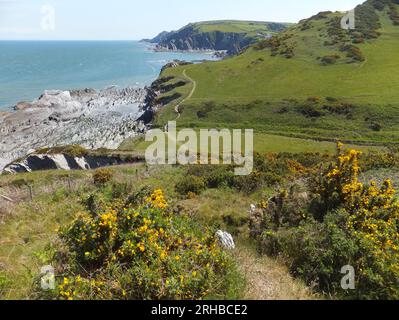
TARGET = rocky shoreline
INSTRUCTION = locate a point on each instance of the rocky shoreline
(90, 118)
(216, 54)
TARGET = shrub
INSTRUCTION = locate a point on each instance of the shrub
(191, 184)
(316, 251)
(393, 14)
(332, 59)
(379, 160)
(102, 176)
(339, 108)
(213, 176)
(310, 110)
(375, 126)
(353, 52)
(250, 183)
(345, 222)
(206, 108)
(358, 40)
(139, 252)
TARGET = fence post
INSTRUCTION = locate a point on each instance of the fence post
(30, 192)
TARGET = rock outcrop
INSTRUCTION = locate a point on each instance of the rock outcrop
(153, 101)
(90, 118)
(35, 162)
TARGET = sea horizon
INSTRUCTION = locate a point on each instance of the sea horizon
(29, 67)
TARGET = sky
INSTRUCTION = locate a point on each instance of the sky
(138, 19)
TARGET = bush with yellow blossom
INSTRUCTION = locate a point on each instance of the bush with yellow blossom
(346, 222)
(139, 251)
(102, 176)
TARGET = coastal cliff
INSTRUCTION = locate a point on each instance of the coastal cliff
(228, 36)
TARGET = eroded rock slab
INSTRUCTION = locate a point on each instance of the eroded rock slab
(93, 119)
(36, 162)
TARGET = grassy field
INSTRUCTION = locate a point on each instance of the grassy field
(28, 226)
(264, 143)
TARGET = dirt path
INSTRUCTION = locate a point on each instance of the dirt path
(268, 279)
(189, 96)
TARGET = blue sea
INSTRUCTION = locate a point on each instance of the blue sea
(27, 68)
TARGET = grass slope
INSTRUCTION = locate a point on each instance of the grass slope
(269, 93)
(238, 26)
(28, 227)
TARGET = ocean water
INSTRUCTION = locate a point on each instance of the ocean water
(27, 68)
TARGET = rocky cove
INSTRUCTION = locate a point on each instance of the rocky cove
(89, 118)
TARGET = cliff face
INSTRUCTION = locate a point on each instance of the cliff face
(218, 41)
(160, 86)
(229, 36)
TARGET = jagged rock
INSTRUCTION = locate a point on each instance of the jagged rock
(174, 64)
(93, 119)
(225, 240)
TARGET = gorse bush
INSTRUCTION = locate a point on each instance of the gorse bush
(102, 176)
(331, 59)
(190, 184)
(138, 249)
(353, 52)
(342, 222)
(269, 170)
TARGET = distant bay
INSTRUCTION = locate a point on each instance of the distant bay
(27, 68)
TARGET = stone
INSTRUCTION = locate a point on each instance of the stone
(225, 240)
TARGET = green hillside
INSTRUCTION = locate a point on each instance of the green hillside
(313, 80)
(238, 26)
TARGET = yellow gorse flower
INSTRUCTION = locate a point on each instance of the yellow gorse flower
(364, 203)
(148, 235)
(157, 200)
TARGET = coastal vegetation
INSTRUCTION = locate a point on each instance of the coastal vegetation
(297, 196)
(311, 207)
